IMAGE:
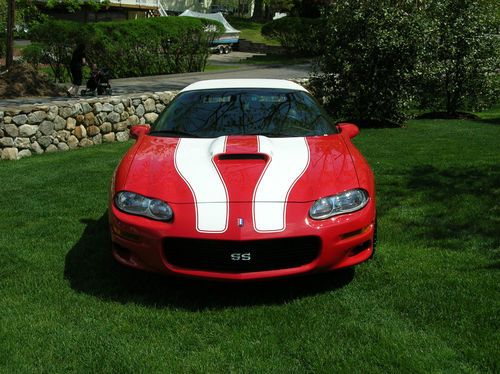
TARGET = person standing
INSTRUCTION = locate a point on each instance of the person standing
(76, 65)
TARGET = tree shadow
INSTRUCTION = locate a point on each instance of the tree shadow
(490, 121)
(91, 269)
(450, 208)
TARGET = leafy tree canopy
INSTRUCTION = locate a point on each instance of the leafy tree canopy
(382, 57)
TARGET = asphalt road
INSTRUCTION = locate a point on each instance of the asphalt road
(178, 81)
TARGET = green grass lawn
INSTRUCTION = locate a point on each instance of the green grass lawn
(250, 30)
(215, 67)
(427, 302)
(276, 60)
(256, 60)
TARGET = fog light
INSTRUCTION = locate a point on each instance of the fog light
(360, 248)
(122, 252)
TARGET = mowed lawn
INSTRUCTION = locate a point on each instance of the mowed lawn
(428, 301)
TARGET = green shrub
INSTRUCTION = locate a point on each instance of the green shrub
(299, 36)
(369, 58)
(151, 46)
(140, 47)
(463, 54)
(34, 54)
(382, 57)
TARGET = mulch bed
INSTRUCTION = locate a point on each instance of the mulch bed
(22, 80)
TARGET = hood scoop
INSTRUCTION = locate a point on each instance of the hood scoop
(248, 147)
(242, 156)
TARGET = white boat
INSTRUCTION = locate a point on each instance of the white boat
(229, 37)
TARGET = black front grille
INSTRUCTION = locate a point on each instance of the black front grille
(233, 256)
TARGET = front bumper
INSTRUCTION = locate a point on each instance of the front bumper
(343, 241)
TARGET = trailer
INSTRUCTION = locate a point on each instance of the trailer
(225, 42)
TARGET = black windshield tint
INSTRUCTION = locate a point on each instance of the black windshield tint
(270, 112)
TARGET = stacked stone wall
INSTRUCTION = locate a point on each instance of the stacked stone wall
(62, 126)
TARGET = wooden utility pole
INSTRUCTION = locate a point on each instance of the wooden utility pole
(11, 20)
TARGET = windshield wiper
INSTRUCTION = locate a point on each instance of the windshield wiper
(174, 133)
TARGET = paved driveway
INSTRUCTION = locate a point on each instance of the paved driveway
(179, 81)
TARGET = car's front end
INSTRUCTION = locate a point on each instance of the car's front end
(315, 246)
(242, 206)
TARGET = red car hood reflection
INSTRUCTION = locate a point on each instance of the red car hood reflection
(240, 169)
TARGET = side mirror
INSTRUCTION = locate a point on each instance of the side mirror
(137, 131)
(348, 128)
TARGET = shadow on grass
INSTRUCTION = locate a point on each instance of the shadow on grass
(91, 269)
(276, 60)
(491, 121)
(449, 208)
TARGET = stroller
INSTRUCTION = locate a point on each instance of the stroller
(98, 83)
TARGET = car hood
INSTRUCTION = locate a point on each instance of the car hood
(238, 169)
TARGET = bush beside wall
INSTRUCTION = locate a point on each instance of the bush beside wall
(151, 46)
(64, 126)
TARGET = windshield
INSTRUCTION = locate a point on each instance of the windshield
(269, 112)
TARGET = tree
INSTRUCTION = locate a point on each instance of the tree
(370, 53)
(11, 16)
(462, 55)
(8, 19)
(74, 5)
(265, 9)
(299, 36)
(14, 14)
(309, 8)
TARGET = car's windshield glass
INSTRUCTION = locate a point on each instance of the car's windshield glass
(217, 112)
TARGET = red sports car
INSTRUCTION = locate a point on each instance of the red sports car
(243, 179)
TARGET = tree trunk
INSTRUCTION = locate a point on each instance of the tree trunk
(257, 10)
(11, 17)
(267, 12)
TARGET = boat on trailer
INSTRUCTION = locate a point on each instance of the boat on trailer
(225, 42)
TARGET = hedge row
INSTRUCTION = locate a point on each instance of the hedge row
(150, 46)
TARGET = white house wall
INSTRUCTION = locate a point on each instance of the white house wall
(182, 5)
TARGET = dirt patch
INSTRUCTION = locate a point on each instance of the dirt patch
(22, 80)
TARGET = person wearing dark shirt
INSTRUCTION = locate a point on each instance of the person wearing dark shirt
(76, 65)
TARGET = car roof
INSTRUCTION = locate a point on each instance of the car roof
(243, 83)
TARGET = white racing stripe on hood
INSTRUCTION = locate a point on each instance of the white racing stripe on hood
(194, 162)
(288, 160)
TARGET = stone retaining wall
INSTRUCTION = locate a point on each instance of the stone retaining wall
(62, 126)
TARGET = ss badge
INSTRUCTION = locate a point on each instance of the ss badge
(241, 256)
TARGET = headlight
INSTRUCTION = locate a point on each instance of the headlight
(345, 202)
(133, 203)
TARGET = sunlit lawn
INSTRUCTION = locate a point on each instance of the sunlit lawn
(250, 30)
(428, 302)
